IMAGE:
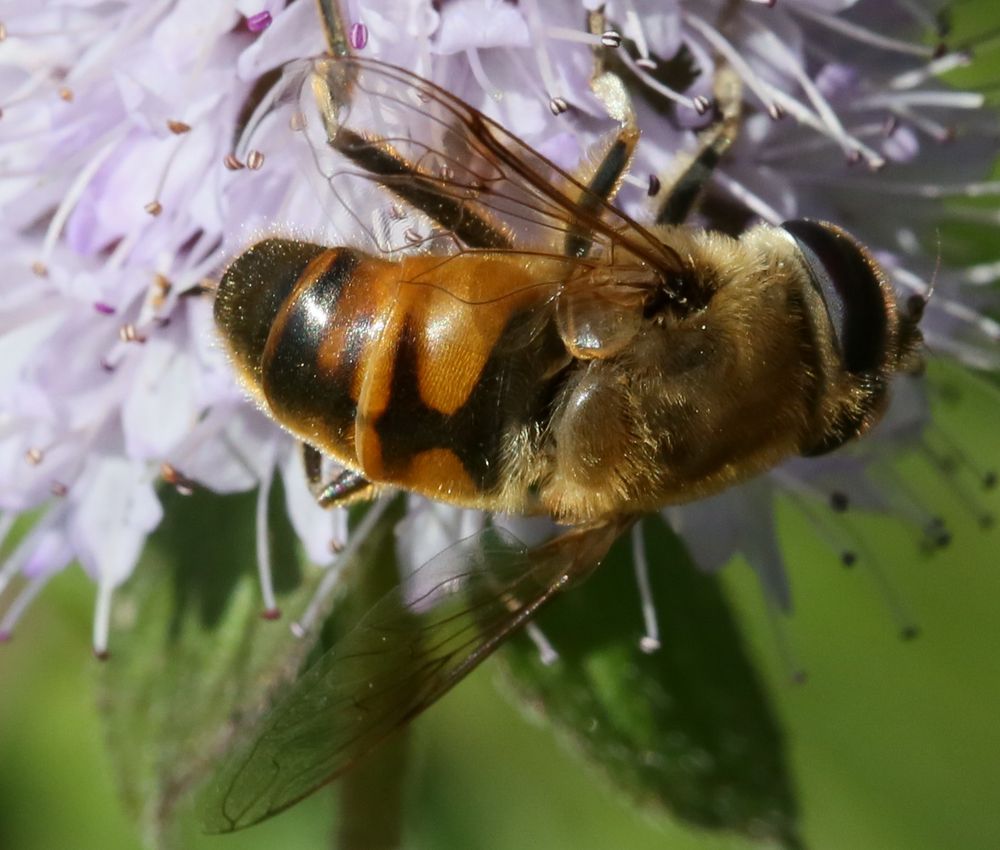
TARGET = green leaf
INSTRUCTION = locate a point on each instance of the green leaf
(193, 662)
(687, 728)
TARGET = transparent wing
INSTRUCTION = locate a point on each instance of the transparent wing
(460, 181)
(411, 648)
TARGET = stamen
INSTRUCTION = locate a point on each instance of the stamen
(606, 39)
(945, 464)
(102, 618)
(479, 74)
(72, 197)
(12, 565)
(764, 91)
(546, 652)
(178, 128)
(549, 79)
(128, 333)
(263, 546)
(633, 29)
(922, 97)
(793, 668)
(259, 22)
(905, 502)
(942, 65)
(178, 480)
(749, 199)
(650, 642)
(779, 56)
(20, 604)
(357, 36)
(983, 274)
(154, 207)
(860, 34)
(255, 160)
(317, 605)
(699, 103)
(852, 551)
(921, 15)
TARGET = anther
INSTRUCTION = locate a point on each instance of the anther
(654, 186)
(154, 208)
(160, 290)
(176, 479)
(104, 308)
(611, 38)
(232, 163)
(646, 63)
(271, 614)
(701, 104)
(255, 160)
(39, 269)
(938, 534)
(128, 333)
(178, 127)
(3, 31)
(259, 22)
(558, 105)
(546, 651)
(65, 94)
(58, 489)
(297, 121)
(34, 456)
(357, 36)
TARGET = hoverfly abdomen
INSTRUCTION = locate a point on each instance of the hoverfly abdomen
(277, 308)
(379, 366)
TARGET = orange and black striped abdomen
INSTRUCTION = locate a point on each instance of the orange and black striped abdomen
(412, 372)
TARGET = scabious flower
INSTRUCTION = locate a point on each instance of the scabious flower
(122, 199)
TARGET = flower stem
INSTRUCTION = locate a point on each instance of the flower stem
(371, 795)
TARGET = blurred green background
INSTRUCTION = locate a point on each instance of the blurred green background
(892, 744)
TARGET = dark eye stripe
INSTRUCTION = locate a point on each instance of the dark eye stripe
(852, 287)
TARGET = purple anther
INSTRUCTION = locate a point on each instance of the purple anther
(259, 22)
(358, 36)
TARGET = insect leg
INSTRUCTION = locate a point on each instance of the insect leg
(422, 191)
(686, 186)
(349, 486)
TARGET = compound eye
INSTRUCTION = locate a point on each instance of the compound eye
(857, 296)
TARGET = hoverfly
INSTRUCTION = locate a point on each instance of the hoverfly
(536, 351)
